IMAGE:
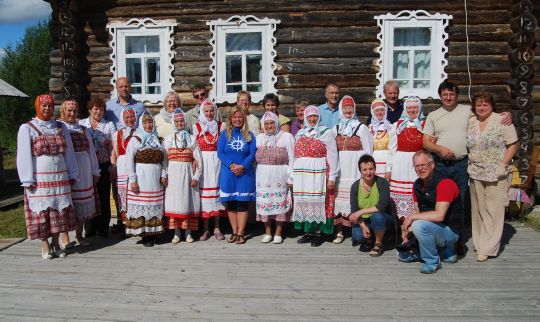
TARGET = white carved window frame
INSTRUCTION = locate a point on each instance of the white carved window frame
(416, 18)
(143, 27)
(249, 23)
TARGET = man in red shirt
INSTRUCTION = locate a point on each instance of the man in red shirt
(438, 215)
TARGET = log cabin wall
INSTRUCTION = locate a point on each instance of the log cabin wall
(317, 42)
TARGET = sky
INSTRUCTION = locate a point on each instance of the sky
(17, 15)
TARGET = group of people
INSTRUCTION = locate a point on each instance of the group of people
(325, 171)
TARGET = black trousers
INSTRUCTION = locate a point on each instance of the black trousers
(100, 223)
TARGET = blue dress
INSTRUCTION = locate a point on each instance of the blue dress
(238, 151)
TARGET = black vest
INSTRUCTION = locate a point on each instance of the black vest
(428, 198)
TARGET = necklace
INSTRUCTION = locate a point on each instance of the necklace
(411, 138)
(366, 186)
(214, 138)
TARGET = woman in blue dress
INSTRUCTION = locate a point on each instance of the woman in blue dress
(236, 150)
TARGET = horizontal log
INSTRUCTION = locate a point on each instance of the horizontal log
(192, 68)
(200, 38)
(192, 53)
(477, 64)
(478, 48)
(496, 32)
(100, 69)
(327, 50)
(318, 66)
(310, 81)
(187, 83)
(325, 34)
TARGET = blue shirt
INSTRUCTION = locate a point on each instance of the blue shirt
(329, 117)
(113, 112)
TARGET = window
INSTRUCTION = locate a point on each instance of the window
(142, 52)
(242, 57)
(412, 52)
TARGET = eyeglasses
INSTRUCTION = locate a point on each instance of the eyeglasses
(422, 165)
(196, 96)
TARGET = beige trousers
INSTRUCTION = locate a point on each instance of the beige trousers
(488, 202)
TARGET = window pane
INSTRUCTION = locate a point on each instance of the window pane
(142, 44)
(254, 88)
(133, 70)
(422, 64)
(135, 90)
(234, 69)
(234, 88)
(421, 84)
(401, 65)
(153, 90)
(243, 41)
(254, 68)
(403, 83)
(412, 36)
(152, 70)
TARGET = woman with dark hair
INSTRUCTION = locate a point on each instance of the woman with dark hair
(47, 167)
(101, 132)
(491, 147)
(270, 103)
(236, 150)
(370, 197)
(83, 192)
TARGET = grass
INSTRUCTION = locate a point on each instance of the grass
(12, 223)
(10, 161)
(533, 220)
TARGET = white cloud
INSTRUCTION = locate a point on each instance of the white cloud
(20, 10)
(2, 53)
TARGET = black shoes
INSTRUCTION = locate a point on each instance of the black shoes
(148, 241)
(305, 239)
(317, 240)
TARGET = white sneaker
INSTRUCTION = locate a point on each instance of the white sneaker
(278, 239)
(266, 239)
(189, 239)
(339, 239)
(175, 240)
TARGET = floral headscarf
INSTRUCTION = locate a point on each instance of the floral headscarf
(43, 98)
(347, 126)
(376, 125)
(148, 140)
(308, 130)
(270, 137)
(128, 110)
(210, 126)
(181, 136)
(406, 118)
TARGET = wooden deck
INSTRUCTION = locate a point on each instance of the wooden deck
(123, 281)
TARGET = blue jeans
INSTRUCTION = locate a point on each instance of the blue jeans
(431, 235)
(456, 171)
(378, 222)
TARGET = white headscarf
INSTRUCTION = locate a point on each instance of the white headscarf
(210, 126)
(406, 118)
(182, 139)
(148, 140)
(127, 130)
(376, 125)
(308, 130)
(270, 137)
(347, 126)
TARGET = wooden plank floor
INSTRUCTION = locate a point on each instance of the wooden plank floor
(123, 281)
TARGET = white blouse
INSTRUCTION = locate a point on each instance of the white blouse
(283, 140)
(169, 143)
(26, 161)
(133, 146)
(76, 127)
(102, 137)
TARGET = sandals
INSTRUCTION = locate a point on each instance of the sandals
(232, 239)
(377, 250)
(240, 239)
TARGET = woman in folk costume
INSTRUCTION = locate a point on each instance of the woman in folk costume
(84, 191)
(147, 177)
(47, 167)
(119, 173)
(380, 129)
(405, 139)
(207, 132)
(182, 199)
(275, 158)
(353, 140)
(315, 170)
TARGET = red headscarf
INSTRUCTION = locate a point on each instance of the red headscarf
(43, 98)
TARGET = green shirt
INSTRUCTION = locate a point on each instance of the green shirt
(367, 199)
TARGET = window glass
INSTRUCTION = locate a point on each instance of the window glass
(422, 64)
(243, 41)
(142, 44)
(234, 88)
(234, 69)
(412, 37)
(152, 70)
(254, 67)
(401, 64)
(134, 71)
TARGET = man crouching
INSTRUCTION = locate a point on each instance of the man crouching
(437, 218)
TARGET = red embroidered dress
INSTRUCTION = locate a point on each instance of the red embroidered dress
(122, 139)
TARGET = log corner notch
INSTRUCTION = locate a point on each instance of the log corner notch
(521, 57)
(66, 34)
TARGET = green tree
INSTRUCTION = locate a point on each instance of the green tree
(27, 67)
